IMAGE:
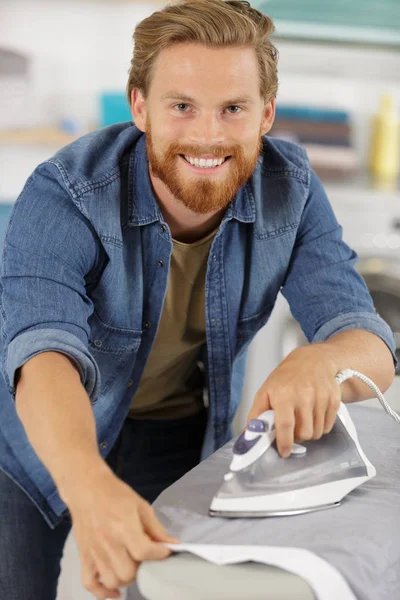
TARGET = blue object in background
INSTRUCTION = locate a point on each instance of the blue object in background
(114, 108)
(5, 211)
(309, 113)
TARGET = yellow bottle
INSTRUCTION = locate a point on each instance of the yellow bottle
(384, 153)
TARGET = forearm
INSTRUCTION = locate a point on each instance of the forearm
(55, 411)
(361, 351)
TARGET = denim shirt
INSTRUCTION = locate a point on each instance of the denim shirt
(85, 268)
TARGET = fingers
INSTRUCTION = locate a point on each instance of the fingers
(109, 569)
(310, 420)
(319, 423)
(146, 549)
(284, 425)
(331, 413)
(304, 427)
(91, 581)
(115, 565)
(114, 535)
(143, 547)
(153, 527)
(114, 560)
(112, 567)
(261, 404)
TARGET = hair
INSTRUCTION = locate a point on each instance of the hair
(214, 23)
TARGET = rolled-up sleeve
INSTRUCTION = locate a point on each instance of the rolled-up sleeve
(50, 253)
(325, 292)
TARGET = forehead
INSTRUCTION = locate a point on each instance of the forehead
(200, 70)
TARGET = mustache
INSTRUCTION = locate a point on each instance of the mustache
(197, 152)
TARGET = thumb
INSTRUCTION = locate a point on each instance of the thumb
(261, 404)
(152, 526)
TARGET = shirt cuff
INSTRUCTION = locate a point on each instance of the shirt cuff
(27, 345)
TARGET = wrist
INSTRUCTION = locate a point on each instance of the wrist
(74, 484)
(320, 353)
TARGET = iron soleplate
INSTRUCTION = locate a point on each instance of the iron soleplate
(276, 513)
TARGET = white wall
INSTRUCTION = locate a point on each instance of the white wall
(77, 48)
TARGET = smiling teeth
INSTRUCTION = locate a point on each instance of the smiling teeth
(205, 163)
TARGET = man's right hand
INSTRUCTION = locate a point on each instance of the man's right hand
(115, 530)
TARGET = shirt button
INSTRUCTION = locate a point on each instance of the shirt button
(160, 263)
(98, 343)
(103, 445)
(146, 324)
(130, 383)
(163, 228)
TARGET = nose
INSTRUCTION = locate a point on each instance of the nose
(206, 130)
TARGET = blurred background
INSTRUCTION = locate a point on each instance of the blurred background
(63, 71)
(64, 65)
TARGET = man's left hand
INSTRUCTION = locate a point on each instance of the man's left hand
(304, 394)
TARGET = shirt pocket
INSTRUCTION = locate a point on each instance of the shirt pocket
(112, 348)
(247, 327)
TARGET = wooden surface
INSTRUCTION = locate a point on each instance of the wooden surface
(37, 136)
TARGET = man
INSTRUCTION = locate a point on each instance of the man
(139, 263)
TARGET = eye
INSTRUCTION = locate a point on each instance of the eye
(235, 111)
(233, 106)
(181, 105)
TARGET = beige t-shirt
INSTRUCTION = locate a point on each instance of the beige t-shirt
(168, 388)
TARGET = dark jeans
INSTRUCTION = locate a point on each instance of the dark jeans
(148, 455)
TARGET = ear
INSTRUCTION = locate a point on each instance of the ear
(138, 109)
(268, 117)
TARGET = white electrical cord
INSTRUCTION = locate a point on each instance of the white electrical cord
(348, 373)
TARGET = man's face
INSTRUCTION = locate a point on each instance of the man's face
(203, 103)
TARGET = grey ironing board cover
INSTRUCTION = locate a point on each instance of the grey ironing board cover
(361, 538)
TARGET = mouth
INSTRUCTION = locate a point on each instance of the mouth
(205, 170)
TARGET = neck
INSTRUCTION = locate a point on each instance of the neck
(185, 225)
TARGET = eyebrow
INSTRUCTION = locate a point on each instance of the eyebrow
(178, 96)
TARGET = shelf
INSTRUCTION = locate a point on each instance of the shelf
(37, 136)
(360, 22)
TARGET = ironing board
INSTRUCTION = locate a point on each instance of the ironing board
(360, 539)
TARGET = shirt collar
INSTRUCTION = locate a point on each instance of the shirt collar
(144, 209)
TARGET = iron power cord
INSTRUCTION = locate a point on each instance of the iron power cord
(348, 373)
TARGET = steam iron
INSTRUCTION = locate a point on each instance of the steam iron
(316, 476)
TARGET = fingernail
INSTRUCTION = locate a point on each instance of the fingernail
(285, 452)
